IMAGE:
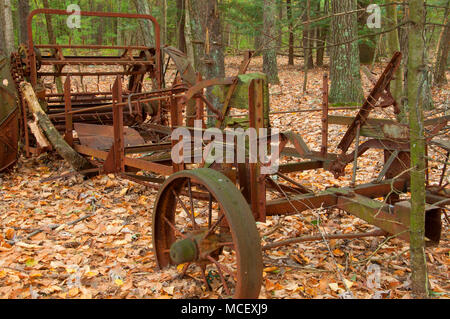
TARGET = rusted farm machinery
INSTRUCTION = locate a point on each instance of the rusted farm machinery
(205, 212)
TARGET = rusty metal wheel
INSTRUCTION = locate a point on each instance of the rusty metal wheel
(202, 221)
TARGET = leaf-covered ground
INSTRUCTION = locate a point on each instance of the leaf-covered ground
(108, 252)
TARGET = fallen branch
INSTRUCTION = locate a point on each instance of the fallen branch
(77, 161)
(52, 227)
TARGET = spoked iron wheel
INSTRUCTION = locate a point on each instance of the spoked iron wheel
(203, 222)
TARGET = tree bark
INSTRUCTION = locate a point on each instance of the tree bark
(440, 77)
(142, 7)
(52, 40)
(24, 10)
(77, 161)
(3, 50)
(323, 32)
(344, 59)
(307, 52)
(8, 27)
(416, 79)
(269, 42)
(207, 41)
(291, 32)
(393, 41)
(181, 21)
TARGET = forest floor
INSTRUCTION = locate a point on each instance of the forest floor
(109, 254)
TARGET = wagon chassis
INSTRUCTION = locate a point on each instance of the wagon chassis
(205, 214)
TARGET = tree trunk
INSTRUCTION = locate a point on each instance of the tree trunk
(344, 59)
(52, 40)
(208, 44)
(77, 161)
(3, 50)
(181, 21)
(269, 42)
(307, 32)
(323, 32)
(146, 26)
(393, 41)
(24, 10)
(8, 27)
(440, 77)
(291, 32)
(415, 82)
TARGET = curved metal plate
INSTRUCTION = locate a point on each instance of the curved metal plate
(9, 117)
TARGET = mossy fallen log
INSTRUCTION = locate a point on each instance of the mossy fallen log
(78, 162)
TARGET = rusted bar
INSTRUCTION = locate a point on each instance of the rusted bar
(296, 240)
(68, 117)
(33, 76)
(324, 148)
(119, 148)
(257, 181)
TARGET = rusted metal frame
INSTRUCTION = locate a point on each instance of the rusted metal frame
(115, 163)
(298, 142)
(89, 46)
(7, 133)
(444, 169)
(121, 104)
(148, 148)
(393, 219)
(329, 197)
(156, 27)
(324, 147)
(285, 188)
(130, 162)
(200, 86)
(226, 104)
(370, 102)
(90, 73)
(387, 165)
(68, 117)
(355, 160)
(176, 119)
(211, 107)
(300, 166)
(338, 166)
(302, 188)
(256, 179)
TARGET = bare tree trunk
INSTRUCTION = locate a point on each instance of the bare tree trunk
(181, 21)
(52, 40)
(416, 77)
(8, 27)
(269, 42)
(208, 44)
(393, 41)
(344, 59)
(307, 52)
(291, 32)
(3, 49)
(323, 32)
(188, 34)
(24, 10)
(147, 31)
(440, 77)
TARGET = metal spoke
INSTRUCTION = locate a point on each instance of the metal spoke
(174, 228)
(191, 216)
(192, 203)
(210, 231)
(219, 270)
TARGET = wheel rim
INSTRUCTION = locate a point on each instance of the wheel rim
(221, 236)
